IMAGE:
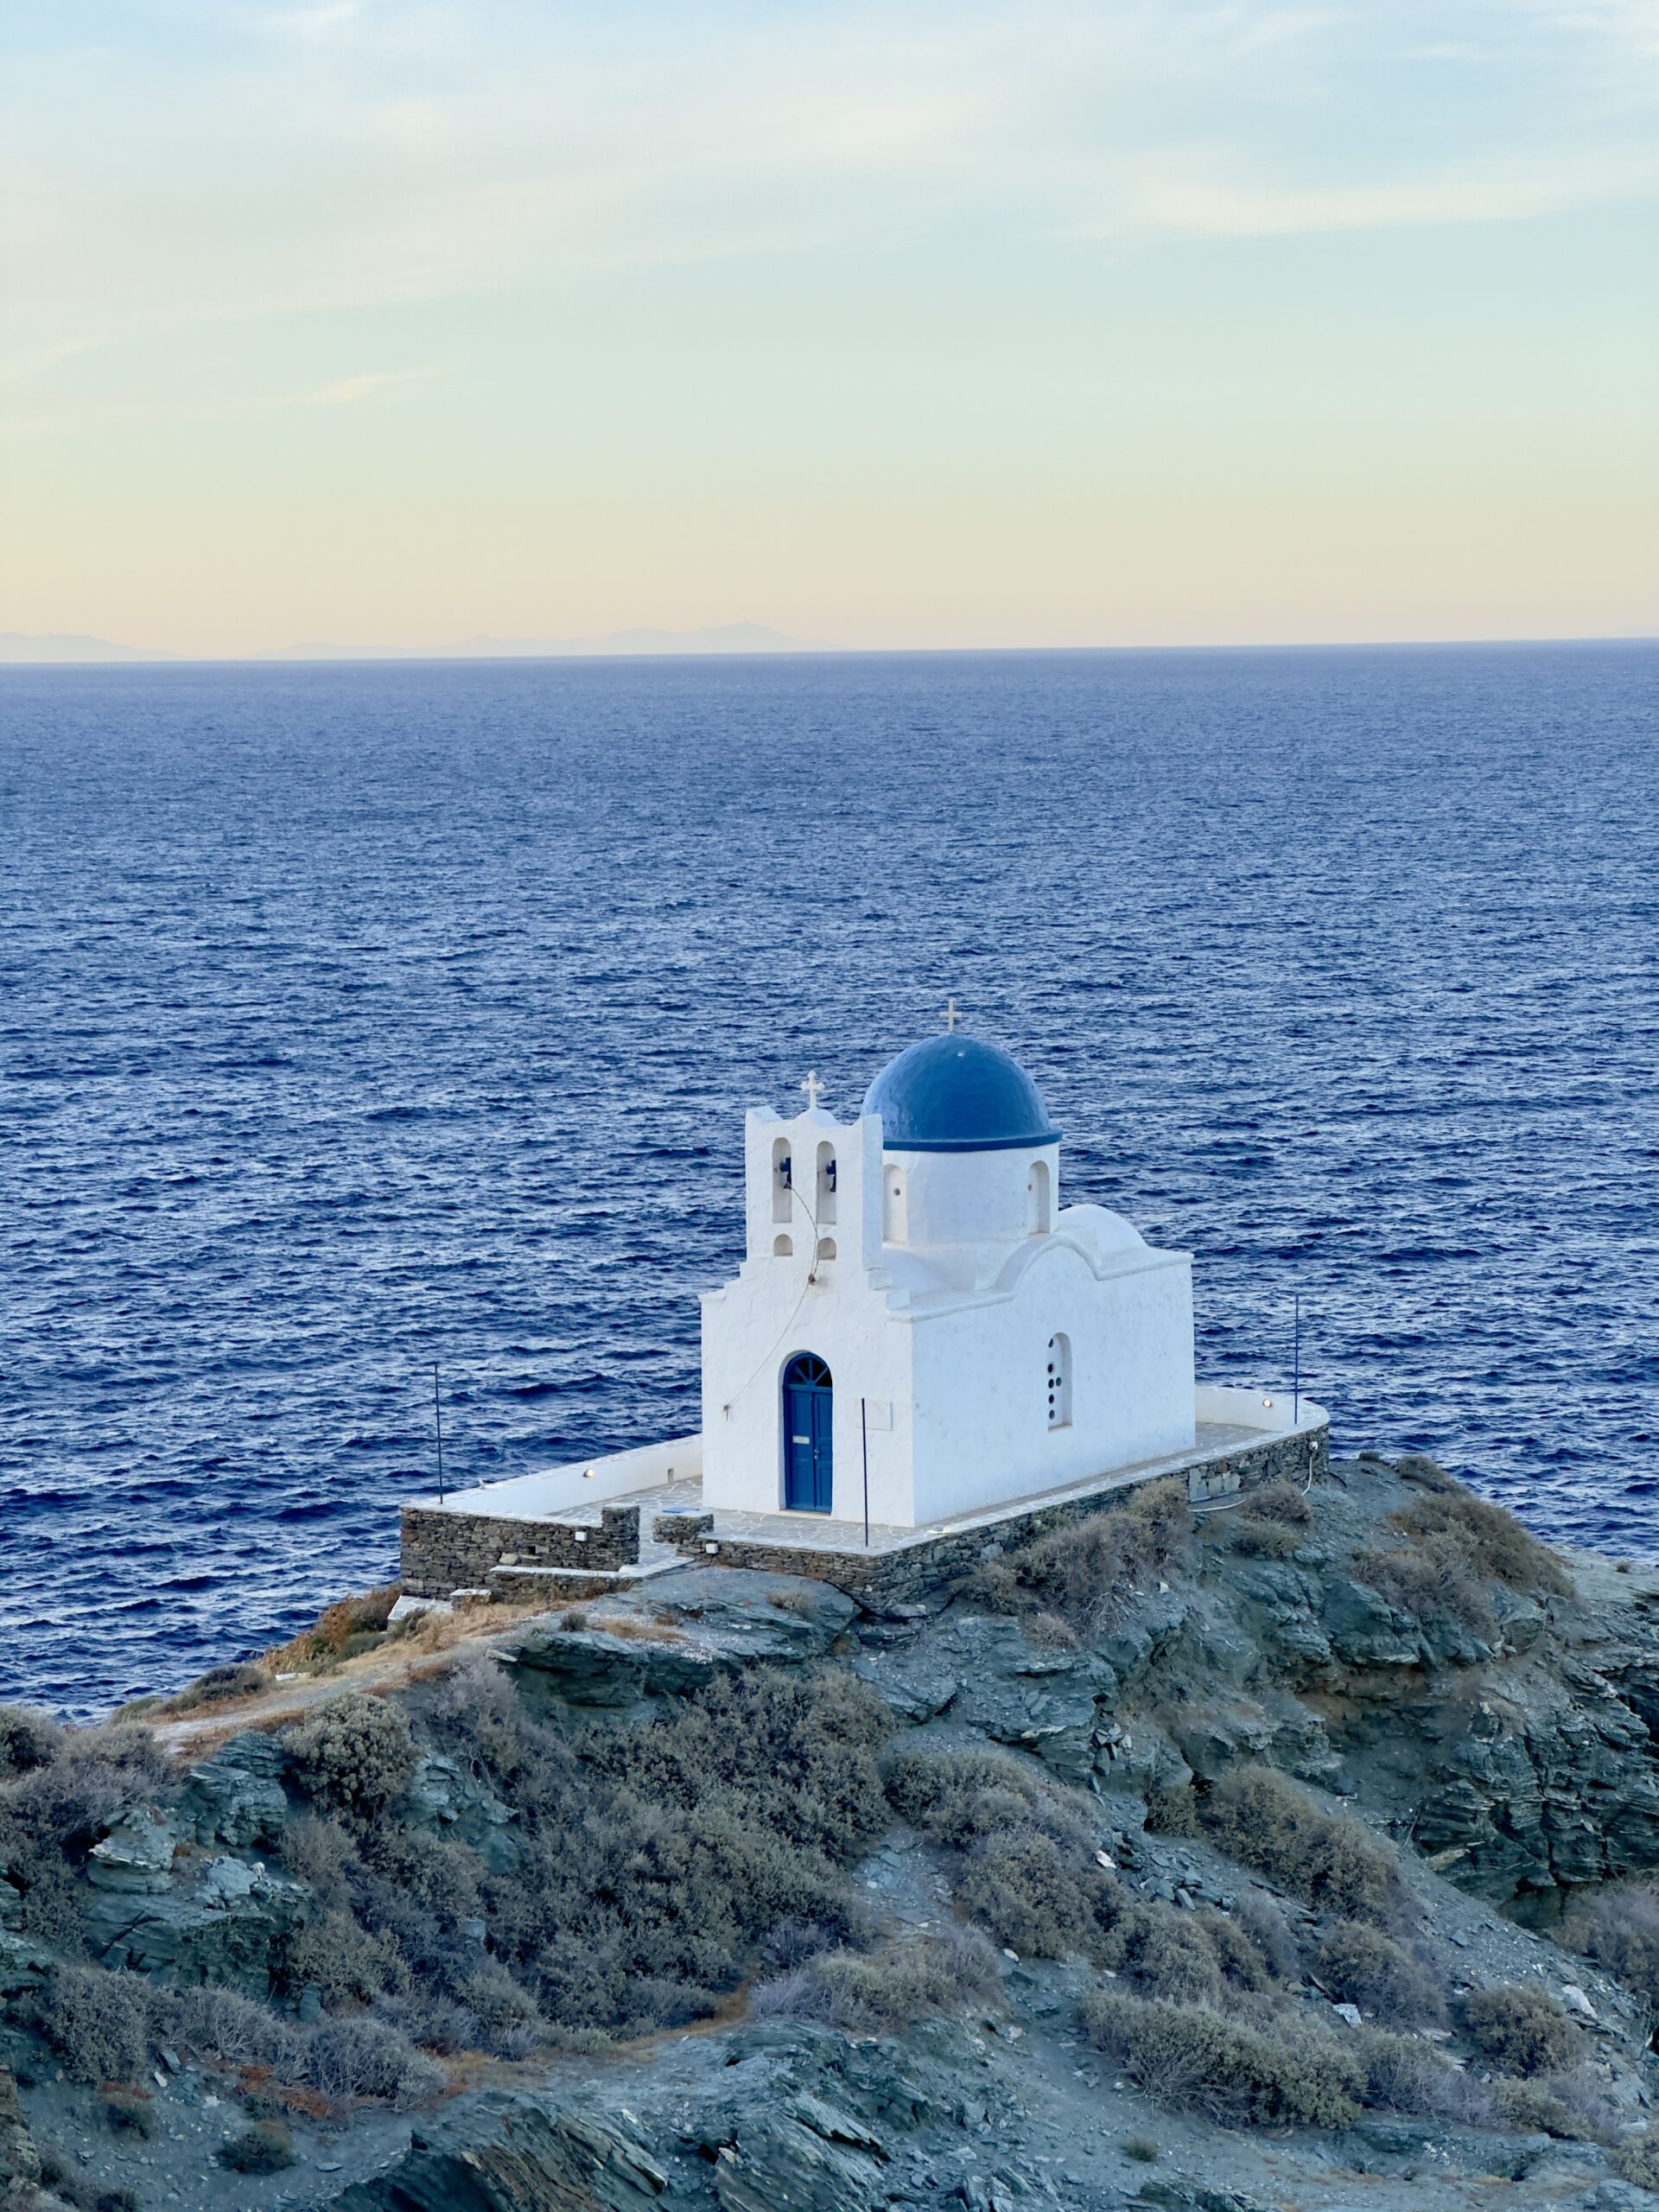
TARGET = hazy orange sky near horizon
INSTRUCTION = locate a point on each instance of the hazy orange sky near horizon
(390, 322)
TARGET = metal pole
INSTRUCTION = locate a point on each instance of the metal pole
(864, 1440)
(437, 1416)
(1296, 1366)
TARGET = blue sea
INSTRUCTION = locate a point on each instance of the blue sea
(360, 1017)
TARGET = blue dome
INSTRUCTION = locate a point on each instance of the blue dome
(957, 1093)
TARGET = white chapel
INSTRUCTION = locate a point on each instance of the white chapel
(919, 1327)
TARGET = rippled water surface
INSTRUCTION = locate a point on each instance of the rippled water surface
(355, 1017)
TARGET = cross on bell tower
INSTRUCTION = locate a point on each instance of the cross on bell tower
(812, 1087)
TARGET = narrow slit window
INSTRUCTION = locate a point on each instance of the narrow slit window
(1060, 1382)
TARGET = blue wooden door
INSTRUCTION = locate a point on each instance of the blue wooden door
(809, 1407)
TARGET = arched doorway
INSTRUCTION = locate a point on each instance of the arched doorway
(809, 1405)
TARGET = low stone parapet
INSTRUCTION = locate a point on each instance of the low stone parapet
(443, 1550)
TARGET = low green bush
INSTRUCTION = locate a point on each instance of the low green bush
(1189, 2055)
(354, 1756)
(1262, 1818)
(1361, 1966)
(1023, 1887)
(1636, 2159)
(97, 2022)
(1522, 2030)
(885, 1991)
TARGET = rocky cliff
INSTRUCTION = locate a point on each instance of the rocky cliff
(1291, 1855)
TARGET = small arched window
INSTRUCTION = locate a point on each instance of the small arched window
(783, 1248)
(826, 1248)
(782, 1177)
(1060, 1382)
(1038, 1200)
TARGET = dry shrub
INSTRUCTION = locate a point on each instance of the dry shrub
(885, 1991)
(1636, 2159)
(126, 2110)
(1026, 1867)
(1404, 2074)
(1522, 2030)
(343, 1962)
(1189, 2055)
(97, 2023)
(1618, 1927)
(957, 1794)
(1361, 1966)
(1455, 1543)
(1021, 1885)
(1533, 2108)
(54, 1810)
(1088, 1572)
(1172, 1809)
(1260, 1918)
(266, 2148)
(1433, 1579)
(1284, 1501)
(350, 2059)
(27, 1739)
(1168, 1955)
(216, 2025)
(1051, 1632)
(1262, 1818)
(216, 1686)
(1259, 1538)
(354, 1756)
(336, 1634)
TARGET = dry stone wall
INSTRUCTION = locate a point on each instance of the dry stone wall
(443, 1551)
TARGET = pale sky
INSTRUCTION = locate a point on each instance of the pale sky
(1141, 322)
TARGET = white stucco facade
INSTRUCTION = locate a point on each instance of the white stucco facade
(983, 1342)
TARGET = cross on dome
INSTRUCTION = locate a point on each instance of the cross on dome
(952, 1016)
(812, 1087)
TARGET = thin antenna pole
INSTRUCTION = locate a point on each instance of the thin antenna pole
(437, 1417)
(864, 1440)
(1296, 1366)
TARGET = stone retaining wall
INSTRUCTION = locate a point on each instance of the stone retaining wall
(443, 1552)
(884, 1580)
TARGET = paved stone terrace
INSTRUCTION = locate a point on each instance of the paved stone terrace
(895, 1565)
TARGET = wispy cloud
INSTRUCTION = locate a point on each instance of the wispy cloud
(353, 392)
(211, 162)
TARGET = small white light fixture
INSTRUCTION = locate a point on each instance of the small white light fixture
(1268, 1403)
(711, 1548)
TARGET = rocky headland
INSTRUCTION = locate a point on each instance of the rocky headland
(1295, 1857)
